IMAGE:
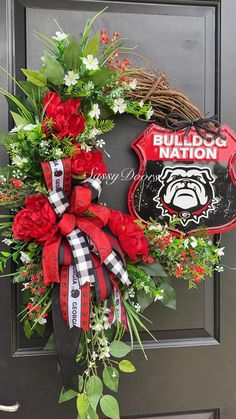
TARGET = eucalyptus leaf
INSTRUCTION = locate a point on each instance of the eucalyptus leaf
(144, 299)
(67, 395)
(110, 378)
(53, 70)
(119, 349)
(82, 404)
(153, 269)
(94, 388)
(169, 297)
(110, 407)
(39, 329)
(27, 329)
(72, 55)
(38, 79)
(126, 366)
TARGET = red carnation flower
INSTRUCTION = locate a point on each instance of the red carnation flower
(131, 236)
(62, 116)
(37, 221)
(88, 162)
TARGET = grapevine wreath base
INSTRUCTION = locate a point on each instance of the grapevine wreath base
(95, 269)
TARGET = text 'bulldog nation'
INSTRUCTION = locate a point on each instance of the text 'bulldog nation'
(174, 146)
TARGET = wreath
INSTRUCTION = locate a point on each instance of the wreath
(95, 269)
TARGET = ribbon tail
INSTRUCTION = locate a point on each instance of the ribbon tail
(114, 264)
(67, 341)
(82, 258)
(103, 286)
(117, 309)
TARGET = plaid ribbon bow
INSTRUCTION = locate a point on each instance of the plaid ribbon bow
(80, 229)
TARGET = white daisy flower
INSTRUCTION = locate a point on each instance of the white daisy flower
(95, 111)
(186, 243)
(25, 285)
(8, 242)
(17, 128)
(60, 36)
(19, 161)
(71, 78)
(133, 84)
(119, 105)
(137, 307)
(25, 258)
(193, 242)
(94, 132)
(86, 147)
(219, 268)
(149, 113)
(155, 227)
(42, 320)
(57, 152)
(90, 62)
(100, 143)
(89, 85)
(220, 251)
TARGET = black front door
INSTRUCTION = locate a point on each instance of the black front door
(191, 373)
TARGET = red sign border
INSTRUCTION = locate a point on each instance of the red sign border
(142, 166)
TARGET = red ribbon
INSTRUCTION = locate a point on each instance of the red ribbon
(89, 218)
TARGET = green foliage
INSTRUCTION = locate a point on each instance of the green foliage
(110, 407)
(94, 388)
(153, 269)
(102, 77)
(144, 299)
(88, 27)
(67, 395)
(93, 46)
(27, 329)
(34, 92)
(169, 296)
(18, 119)
(35, 77)
(126, 366)
(53, 70)
(72, 55)
(110, 377)
(118, 349)
(51, 343)
(82, 404)
(105, 125)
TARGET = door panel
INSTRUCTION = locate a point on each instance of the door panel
(191, 368)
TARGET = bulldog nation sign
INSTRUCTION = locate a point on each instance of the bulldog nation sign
(190, 176)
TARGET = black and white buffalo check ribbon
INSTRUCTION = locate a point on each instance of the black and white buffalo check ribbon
(80, 244)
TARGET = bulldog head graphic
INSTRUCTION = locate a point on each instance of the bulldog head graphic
(186, 191)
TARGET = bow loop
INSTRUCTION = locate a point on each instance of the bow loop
(80, 200)
(67, 224)
(207, 128)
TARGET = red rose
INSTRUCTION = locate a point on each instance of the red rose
(88, 162)
(64, 116)
(36, 222)
(131, 236)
